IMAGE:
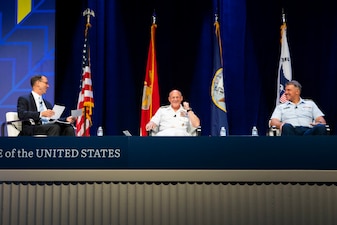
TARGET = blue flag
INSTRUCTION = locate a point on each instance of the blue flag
(284, 71)
(218, 105)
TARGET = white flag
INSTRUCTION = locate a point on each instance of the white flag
(284, 71)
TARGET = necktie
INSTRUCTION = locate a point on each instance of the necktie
(40, 109)
(40, 104)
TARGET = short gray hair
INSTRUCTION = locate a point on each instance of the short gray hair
(295, 83)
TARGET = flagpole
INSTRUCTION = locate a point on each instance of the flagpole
(283, 16)
(284, 70)
(88, 13)
(151, 97)
(154, 17)
(153, 27)
(217, 90)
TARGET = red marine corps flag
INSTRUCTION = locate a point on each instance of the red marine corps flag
(150, 99)
(85, 97)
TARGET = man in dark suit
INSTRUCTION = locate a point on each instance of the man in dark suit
(36, 112)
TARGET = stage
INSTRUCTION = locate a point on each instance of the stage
(139, 159)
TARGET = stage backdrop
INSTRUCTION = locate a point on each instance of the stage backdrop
(27, 47)
(250, 31)
(119, 38)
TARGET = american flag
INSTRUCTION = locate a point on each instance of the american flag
(284, 71)
(85, 97)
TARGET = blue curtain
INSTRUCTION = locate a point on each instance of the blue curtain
(250, 32)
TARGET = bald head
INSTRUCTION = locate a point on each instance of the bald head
(175, 98)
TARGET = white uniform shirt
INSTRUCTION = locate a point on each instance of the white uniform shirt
(301, 114)
(172, 123)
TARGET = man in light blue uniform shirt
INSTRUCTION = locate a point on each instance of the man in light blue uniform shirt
(298, 116)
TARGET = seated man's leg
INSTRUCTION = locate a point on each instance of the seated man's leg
(301, 130)
(67, 130)
(318, 129)
(47, 129)
(288, 130)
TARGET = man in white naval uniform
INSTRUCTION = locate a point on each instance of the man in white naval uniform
(174, 119)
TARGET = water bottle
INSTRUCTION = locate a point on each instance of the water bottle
(254, 131)
(223, 132)
(100, 131)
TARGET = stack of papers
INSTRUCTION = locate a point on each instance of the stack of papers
(59, 109)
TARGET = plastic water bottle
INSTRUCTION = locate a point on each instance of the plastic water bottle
(100, 131)
(254, 131)
(223, 132)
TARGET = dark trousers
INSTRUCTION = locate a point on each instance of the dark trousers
(54, 129)
(290, 130)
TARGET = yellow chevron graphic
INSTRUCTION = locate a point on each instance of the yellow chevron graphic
(24, 7)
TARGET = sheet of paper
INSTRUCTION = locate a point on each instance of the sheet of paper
(58, 109)
(127, 133)
(76, 112)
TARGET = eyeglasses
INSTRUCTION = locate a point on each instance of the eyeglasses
(46, 82)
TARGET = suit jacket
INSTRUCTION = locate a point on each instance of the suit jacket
(27, 112)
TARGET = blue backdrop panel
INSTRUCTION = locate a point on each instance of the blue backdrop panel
(120, 34)
(27, 47)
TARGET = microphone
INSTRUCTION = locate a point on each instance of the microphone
(295, 107)
(175, 116)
